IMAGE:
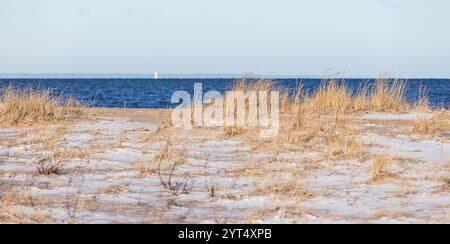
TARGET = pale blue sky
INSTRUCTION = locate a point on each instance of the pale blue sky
(409, 38)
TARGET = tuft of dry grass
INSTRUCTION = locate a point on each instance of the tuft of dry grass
(250, 168)
(27, 106)
(331, 98)
(423, 104)
(49, 166)
(440, 122)
(335, 98)
(387, 96)
(380, 167)
(144, 168)
(425, 127)
(243, 86)
(287, 190)
(343, 147)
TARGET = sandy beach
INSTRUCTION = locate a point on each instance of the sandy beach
(130, 166)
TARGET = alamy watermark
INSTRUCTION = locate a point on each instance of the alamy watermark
(251, 109)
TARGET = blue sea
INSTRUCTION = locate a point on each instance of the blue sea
(157, 93)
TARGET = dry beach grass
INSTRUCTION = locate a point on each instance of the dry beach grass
(367, 157)
(29, 106)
